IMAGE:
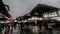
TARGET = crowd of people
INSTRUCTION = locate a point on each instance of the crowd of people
(30, 23)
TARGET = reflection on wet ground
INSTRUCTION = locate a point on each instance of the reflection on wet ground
(36, 30)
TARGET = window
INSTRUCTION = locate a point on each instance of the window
(53, 14)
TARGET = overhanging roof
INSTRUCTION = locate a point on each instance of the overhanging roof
(43, 8)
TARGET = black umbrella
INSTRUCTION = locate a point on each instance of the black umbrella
(26, 16)
(3, 10)
(20, 18)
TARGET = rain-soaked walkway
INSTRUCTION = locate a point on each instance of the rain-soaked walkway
(36, 30)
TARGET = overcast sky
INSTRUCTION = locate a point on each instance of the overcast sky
(21, 7)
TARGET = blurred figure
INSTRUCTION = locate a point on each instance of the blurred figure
(4, 10)
(4, 15)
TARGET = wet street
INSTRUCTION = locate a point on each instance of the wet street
(43, 31)
(54, 32)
